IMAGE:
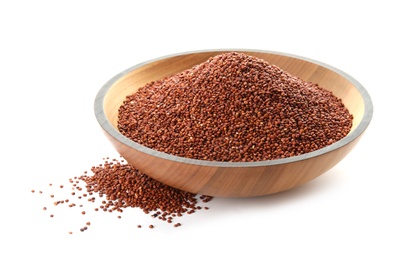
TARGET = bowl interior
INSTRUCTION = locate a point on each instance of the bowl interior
(138, 76)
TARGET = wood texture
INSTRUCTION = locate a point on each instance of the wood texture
(227, 179)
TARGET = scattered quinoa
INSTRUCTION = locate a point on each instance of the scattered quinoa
(121, 186)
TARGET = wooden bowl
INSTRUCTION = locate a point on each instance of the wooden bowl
(232, 179)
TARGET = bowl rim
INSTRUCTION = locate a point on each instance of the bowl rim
(107, 126)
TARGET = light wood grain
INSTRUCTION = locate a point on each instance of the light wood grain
(227, 179)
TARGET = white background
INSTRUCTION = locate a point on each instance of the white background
(56, 55)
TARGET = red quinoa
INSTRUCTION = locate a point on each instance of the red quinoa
(125, 186)
(121, 186)
(234, 107)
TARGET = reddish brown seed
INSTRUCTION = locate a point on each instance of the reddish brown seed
(234, 107)
(51, 215)
(32, 191)
(88, 223)
(70, 232)
(125, 186)
(140, 191)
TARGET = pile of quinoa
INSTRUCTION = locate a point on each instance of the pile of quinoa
(234, 107)
(125, 186)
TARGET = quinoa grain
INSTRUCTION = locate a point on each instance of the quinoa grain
(122, 186)
(233, 107)
(125, 186)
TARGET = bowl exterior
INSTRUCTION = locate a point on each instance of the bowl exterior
(224, 181)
